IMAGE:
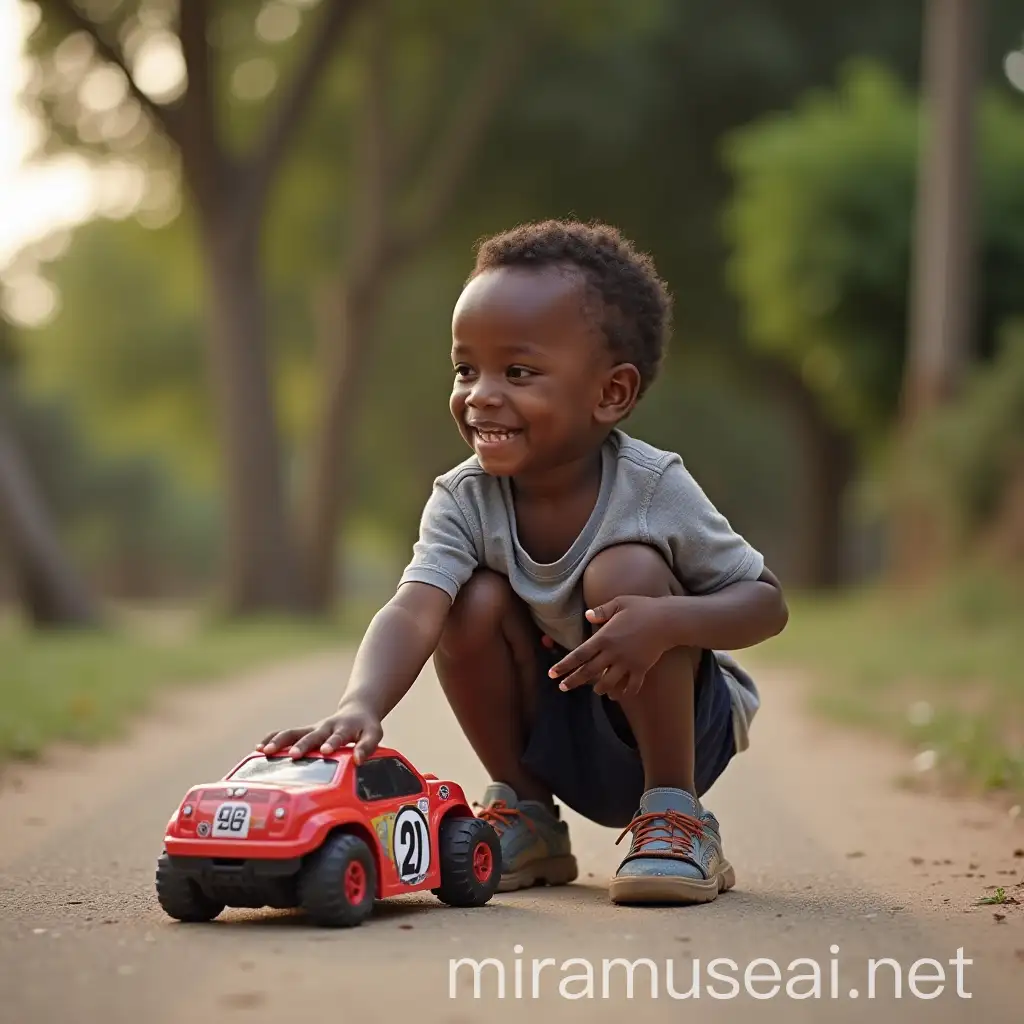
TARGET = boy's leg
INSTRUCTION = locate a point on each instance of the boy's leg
(676, 853)
(488, 662)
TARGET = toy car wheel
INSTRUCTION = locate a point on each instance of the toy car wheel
(339, 884)
(470, 862)
(181, 897)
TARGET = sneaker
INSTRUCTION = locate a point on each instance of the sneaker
(676, 854)
(535, 847)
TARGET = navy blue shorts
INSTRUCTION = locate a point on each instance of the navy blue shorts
(581, 745)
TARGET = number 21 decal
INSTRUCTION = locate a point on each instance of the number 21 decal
(412, 845)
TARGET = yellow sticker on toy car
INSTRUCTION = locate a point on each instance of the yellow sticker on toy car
(383, 826)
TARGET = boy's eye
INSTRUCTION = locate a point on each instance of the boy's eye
(519, 372)
(462, 370)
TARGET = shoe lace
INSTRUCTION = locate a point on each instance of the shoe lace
(673, 827)
(500, 816)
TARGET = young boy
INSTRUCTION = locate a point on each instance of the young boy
(572, 584)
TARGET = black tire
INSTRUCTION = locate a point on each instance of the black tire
(181, 897)
(327, 880)
(470, 862)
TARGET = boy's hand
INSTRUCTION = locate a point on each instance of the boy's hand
(353, 724)
(633, 635)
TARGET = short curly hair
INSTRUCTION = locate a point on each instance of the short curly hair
(634, 305)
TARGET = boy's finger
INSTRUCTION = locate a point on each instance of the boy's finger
(610, 682)
(280, 740)
(368, 742)
(312, 739)
(580, 656)
(634, 684)
(585, 673)
(342, 735)
(603, 612)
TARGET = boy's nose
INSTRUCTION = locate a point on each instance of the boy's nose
(484, 393)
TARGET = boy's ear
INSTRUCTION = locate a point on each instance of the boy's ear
(618, 394)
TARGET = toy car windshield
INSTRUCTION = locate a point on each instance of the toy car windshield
(284, 771)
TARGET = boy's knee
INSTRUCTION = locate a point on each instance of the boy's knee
(477, 612)
(627, 569)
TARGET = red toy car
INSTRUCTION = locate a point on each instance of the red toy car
(327, 835)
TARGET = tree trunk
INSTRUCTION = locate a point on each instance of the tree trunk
(346, 353)
(829, 459)
(830, 463)
(942, 302)
(262, 565)
(51, 592)
(944, 252)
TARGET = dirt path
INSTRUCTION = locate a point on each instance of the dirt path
(829, 851)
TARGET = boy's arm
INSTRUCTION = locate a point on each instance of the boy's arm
(635, 631)
(740, 615)
(396, 646)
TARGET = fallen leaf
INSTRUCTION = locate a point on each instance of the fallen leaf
(973, 867)
(406, 927)
(917, 861)
(999, 918)
(1018, 853)
(855, 853)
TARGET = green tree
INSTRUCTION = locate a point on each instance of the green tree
(95, 82)
(821, 229)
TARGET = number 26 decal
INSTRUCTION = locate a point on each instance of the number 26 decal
(412, 845)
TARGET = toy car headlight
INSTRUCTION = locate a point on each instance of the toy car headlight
(279, 813)
(186, 811)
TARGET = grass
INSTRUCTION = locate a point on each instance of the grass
(998, 897)
(85, 687)
(943, 670)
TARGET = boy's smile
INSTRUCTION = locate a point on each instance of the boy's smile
(531, 371)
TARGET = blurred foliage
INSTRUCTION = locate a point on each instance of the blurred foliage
(967, 462)
(822, 226)
(620, 117)
(127, 348)
(131, 522)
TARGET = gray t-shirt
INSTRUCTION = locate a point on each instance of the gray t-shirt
(647, 496)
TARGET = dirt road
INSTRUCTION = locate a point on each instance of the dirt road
(835, 863)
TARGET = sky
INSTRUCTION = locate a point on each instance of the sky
(34, 200)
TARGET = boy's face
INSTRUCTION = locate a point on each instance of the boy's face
(535, 385)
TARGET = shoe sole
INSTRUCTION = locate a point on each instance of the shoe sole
(666, 889)
(550, 871)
